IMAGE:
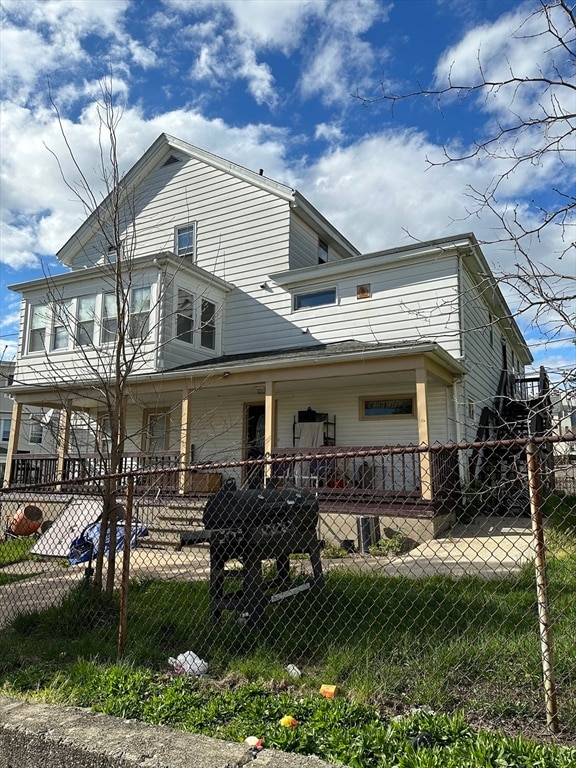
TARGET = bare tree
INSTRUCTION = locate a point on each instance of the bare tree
(101, 372)
(534, 128)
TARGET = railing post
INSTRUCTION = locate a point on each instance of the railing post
(542, 587)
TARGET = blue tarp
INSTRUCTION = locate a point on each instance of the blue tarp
(85, 546)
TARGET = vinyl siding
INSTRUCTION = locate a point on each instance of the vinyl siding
(483, 354)
(414, 301)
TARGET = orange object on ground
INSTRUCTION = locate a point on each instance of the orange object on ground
(26, 521)
(329, 691)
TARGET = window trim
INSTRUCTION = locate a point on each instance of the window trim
(386, 398)
(297, 306)
(188, 252)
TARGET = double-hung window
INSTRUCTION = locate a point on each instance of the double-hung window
(36, 432)
(185, 316)
(109, 318)
(61, 327)
(38, 323)
(86, 312)
(5, 430)
(208, 325)
(140, 313)
(157, 431)
(185, 238)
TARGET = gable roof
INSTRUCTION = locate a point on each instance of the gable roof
(160, 151)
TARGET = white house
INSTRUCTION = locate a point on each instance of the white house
(38, 426)
(251, 317)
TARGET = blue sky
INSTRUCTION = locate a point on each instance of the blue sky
(269, 84)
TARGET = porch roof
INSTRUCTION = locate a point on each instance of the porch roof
(306, 362)
(340, 351)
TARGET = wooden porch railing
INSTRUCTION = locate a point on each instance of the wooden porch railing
(338, 471)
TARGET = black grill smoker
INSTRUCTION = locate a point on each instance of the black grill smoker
(253, 526)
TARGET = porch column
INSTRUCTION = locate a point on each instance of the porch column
(269, 425)
(63, 439)
(423, 432)
(185, 439)
(12, 441)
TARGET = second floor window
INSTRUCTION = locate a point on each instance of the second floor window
(316, 299)
(185, 240)
(38, 323)
(140, 313)
(86, 312)
(109, 318)
(60, 330)
(185, 316)
(208, 325)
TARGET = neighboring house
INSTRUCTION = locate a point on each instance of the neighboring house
(38, 426)
(253, 317)
(564, 422)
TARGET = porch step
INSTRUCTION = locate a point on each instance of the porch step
(170, 523)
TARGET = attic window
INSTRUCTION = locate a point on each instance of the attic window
(185, 238)
(322, 251)
(172, 159)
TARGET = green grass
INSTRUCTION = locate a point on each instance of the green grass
(388, 643)
(560, 515)
(15, 550)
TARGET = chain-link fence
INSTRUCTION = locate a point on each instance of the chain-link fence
(440, 577)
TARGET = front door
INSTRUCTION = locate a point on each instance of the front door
(254, 430)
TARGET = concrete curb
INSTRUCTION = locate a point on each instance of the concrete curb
(33, 735)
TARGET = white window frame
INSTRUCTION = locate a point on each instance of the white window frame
(37, 343)
(156, 431)
(5, 424)
(85, 337)
(187, 249)
(36, 433)
(109, 323)
(298, 297)
(140, 309)
(62, 319)
(323, 251)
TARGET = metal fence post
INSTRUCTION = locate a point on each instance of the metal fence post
(123, 619)
(542, 586)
